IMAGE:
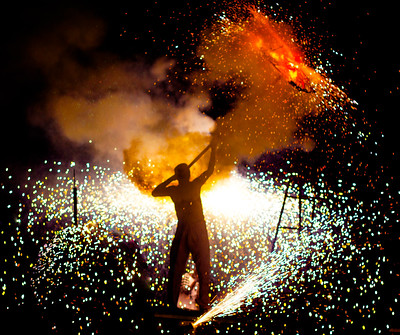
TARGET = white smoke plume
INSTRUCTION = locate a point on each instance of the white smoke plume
(95, 97)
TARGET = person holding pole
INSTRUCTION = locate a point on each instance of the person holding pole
(191, 233)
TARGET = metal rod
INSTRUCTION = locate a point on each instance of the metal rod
(300, 188)
(75, 194)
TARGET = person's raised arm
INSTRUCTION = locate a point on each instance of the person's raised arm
(211, 164)
(162, 189)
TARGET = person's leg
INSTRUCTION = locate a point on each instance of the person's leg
(179, 255)
(200, 250)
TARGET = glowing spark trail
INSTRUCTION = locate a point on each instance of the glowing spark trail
(287, 265)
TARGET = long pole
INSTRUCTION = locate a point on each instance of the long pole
(199, 155)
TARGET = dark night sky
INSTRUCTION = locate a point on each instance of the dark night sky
(364, 32)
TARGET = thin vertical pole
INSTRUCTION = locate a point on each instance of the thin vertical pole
(75, 192)
(300, 188)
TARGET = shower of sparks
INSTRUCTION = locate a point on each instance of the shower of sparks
(302, 254)
(101, 253)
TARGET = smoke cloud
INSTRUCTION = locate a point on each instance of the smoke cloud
(124, 109)
(120, 107)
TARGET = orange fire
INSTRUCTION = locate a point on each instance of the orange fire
(148, 168)
(275, 89)
(284, 57)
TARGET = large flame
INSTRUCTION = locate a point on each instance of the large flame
(149, 168)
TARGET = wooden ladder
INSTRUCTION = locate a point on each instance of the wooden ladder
(300, 196)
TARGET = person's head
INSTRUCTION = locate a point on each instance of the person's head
(182, 172)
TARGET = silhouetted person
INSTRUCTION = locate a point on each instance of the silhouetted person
(191, 233)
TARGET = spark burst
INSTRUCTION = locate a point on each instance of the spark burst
(92, 257)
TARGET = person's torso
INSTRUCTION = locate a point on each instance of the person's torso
(188, 206)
